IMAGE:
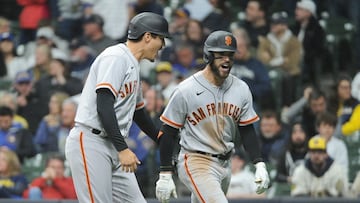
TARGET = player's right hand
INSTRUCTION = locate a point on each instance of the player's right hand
(128, 160)
(165, 187)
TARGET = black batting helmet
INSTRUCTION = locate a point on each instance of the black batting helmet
(148, 22)
(218, 41)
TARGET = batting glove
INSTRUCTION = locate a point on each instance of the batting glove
(165, 187)
(262, 179)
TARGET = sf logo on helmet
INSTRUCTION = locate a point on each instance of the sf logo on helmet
(228, 40)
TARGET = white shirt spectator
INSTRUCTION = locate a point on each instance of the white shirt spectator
(355, 87)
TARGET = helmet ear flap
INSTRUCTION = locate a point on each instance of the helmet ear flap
(208, 57)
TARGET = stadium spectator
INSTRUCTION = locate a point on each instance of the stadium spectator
(26, 99)
(45, 35)
(252, 71)
(48, 132)
(115, 25)
(256, 22)
(12, 181)
(273, 136)
(319, 176)
(312, 36)
(198, 9)
(195, 35)
(81, 57)
(31, 14)
(8, 99)
(5, 25)
(42, 62)
(335, 147)
(346, 107)
(293, 156)
(13, 136)
(355, 90)
(140, 6)
(94, 34)
(10, 63)
(219, 18)
(312, 103)
(165, 79)
(68, 21)
(185, 62)
(180, 19)
(280, 49)
(242, 182)
(68, 111)
(52, 184)
(58, 79)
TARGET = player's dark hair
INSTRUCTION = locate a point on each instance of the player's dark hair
(141, 36)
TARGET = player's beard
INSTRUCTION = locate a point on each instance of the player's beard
(216, 71)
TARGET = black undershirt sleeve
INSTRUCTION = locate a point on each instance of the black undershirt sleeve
(166, 145)
(250, 142)
(143, 120)
(105, 108)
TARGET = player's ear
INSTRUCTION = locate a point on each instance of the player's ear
(147, 36)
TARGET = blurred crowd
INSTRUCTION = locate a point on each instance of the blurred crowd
(297, 56)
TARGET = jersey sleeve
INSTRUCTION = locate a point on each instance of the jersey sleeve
(248, 114)
(175, 112)
(111, 73)
(139, 98)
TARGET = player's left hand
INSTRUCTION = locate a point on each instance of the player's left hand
(262, 179)
(165, 187)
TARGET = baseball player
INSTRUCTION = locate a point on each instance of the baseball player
(209, 108)
(101, 163)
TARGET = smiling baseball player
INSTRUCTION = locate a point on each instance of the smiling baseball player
(209, 107)
(101, 163)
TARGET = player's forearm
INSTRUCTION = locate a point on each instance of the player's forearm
(251, 143)
(167, 139)
(105, 108)
(143, 120)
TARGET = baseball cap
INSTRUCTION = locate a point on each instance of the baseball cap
(57, 54)
(307, 5)
(76, 43)
(45, 32)
(164, 67)
(182, 12)
(6, 36)
(94, 18)
(317, 144)
(279, 18)
(23, 76)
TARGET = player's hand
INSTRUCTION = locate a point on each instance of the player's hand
(128, 160)
(165, 187)
(262, 179)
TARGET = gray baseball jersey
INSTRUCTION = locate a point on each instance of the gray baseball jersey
(93, 159)
(208, 117)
